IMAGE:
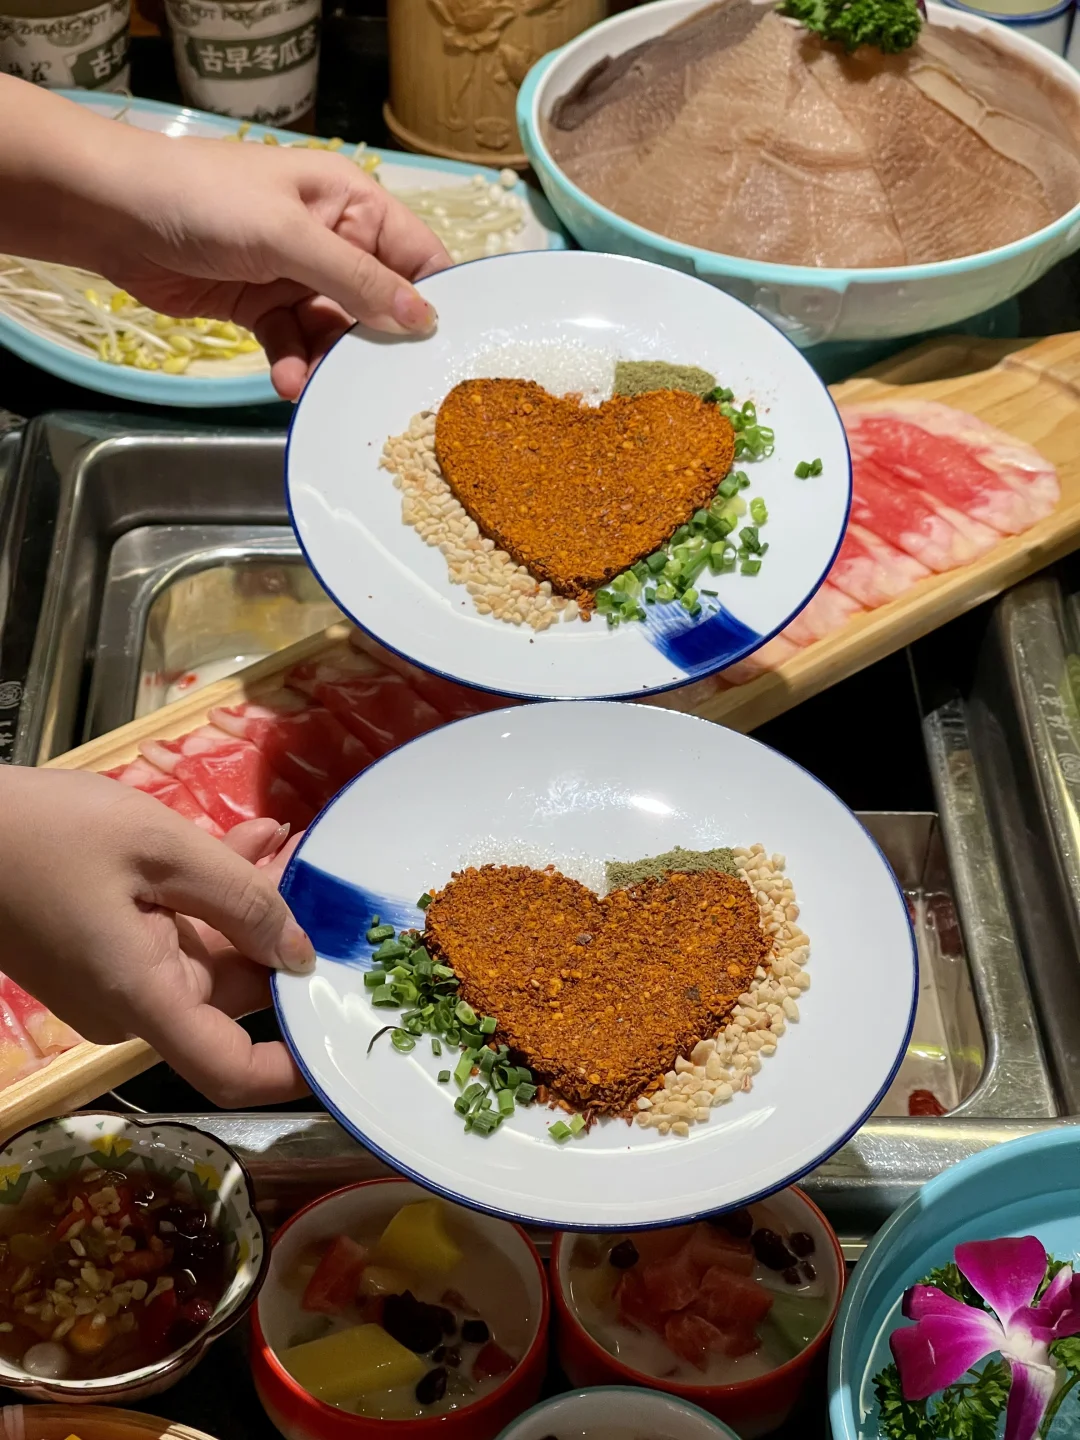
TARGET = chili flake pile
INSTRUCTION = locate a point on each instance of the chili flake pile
(531, 523)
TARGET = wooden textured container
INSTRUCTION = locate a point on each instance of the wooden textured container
(456, 65)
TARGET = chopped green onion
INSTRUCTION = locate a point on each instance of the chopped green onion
(758, 513)
(424, 901)
(436, 1045)
(372, 978)
(444, 1077)
(656, 562)
(463, 1069)
(505, 1102)
(750, 567)
(380, 932)
(488, 1025)
(559, 1131)
(391, 950)
(384, 995)
(525, 1094)
(688, 599)
(402, 1040)
(465, 1013)
(577, 1124)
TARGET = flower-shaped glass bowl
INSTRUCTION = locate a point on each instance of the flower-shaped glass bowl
(190, 1159)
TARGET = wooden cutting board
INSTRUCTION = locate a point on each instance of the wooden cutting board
(1031, 391)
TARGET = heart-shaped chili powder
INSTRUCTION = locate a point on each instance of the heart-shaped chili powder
(598, 995)
(578, 493)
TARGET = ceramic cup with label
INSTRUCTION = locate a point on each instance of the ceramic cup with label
(254, 60)
(64, 46)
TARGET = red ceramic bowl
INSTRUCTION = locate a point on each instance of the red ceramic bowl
(753, 1406)
(299, 1416)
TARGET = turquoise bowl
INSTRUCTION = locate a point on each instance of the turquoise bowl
(1029, 1186)
(811, 306)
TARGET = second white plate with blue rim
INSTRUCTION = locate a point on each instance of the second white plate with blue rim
(600, 309)
(575, 785)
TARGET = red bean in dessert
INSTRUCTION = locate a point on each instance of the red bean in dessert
(103, 1273)
(714, 1303)
(411, 1318)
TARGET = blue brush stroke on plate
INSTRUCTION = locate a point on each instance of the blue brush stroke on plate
(699, 646)
(337, 914)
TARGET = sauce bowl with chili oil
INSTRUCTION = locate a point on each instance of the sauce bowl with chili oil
(492, 1280)
(615, 1412)
(752, 1406)
(143, 1173)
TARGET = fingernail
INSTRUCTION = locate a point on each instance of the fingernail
(297, 951)
(276, 841)
(412, 311)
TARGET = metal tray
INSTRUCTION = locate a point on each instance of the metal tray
(124, 512)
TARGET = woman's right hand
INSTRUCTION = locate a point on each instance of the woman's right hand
(126, 920)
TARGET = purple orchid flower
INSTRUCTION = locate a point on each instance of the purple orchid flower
(950, 1337)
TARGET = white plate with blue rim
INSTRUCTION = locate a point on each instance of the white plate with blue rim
(246, 379)
(575, 785)
(565, 319)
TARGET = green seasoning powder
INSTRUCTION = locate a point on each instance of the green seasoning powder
(622, 873)
(636, 377)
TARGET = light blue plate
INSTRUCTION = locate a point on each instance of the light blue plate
(1030, 1186)
(398, 170)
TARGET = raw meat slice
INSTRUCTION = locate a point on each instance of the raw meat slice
(452, 701)
(230, 778)
(829, 610)
(770, 656)
(141, 775)
(19, 1056)
(376, 705)
(887, 507)
(938, 465)
(49, 1034)
(1016, 464)
(302, 742)
(872, 571)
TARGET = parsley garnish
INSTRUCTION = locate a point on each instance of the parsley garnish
(891, 26)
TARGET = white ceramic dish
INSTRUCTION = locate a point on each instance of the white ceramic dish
(810, 305)
(246, 381)
(347, 513)
(570, 783)
(615, 1410)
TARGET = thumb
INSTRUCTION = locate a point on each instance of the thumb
(205, 879)
(365, 288)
